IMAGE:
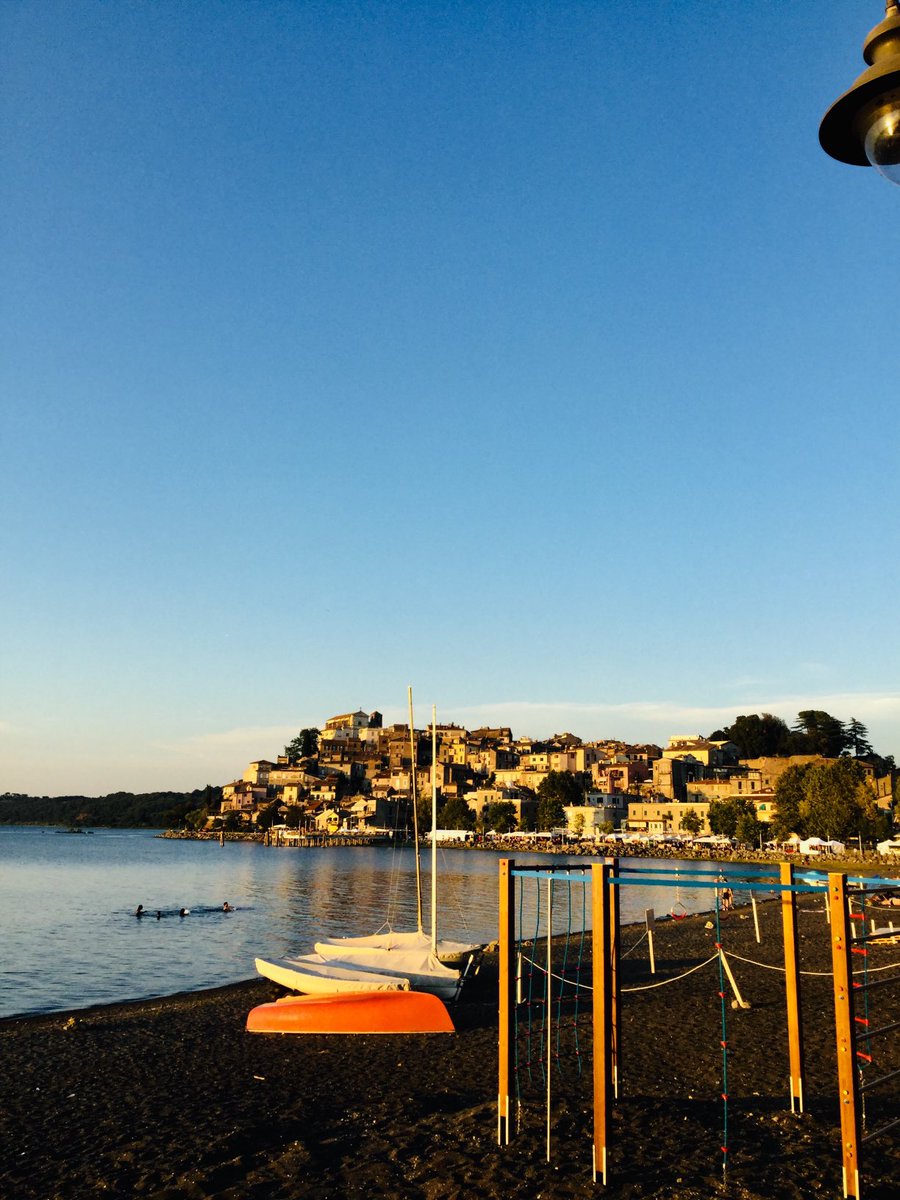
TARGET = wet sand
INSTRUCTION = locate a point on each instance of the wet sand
(173, 1099)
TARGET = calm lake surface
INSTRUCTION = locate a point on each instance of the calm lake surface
(70, 939)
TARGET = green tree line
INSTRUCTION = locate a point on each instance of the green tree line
(762, 735)
(118, 810)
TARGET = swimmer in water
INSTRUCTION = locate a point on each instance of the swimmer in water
(139, 911)
(183, 912)
(226, 907)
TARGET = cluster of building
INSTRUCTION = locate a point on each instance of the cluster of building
(363, 775)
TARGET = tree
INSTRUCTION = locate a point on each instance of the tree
(196, 818)
(304, 745)
(756, 736)
(838, 801)
(500, 816)
(724, 814)
(691, 821)
(790, 795)
(268, 815)
(455, 814)
(556, 790)
(292, 816)
(858, 738)
(748, 829)
(819, 733)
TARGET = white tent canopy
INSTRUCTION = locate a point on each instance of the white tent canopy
(816, 845)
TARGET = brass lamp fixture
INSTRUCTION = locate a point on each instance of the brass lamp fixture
(862, 127)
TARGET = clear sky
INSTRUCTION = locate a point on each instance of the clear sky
(532, 354)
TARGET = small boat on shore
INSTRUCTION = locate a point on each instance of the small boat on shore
(448, 952)
(366, 1012)
(423, 970)
(314, 975)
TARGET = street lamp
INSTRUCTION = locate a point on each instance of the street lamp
(862, 127)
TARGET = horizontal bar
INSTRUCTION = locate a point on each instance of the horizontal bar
(878, 936)
(875, 984)
(878, 1132)
(711, 882)
(739, 870)
(870, 1033)
(558, 873)
(871, 1083)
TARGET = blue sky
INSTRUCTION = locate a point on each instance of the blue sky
(531, 354)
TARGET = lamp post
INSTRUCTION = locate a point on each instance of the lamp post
(862, 127)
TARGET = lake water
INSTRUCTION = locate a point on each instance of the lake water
(69, 937)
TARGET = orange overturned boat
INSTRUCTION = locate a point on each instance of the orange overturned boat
(353, 1012)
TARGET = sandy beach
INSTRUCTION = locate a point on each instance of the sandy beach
(171, 1098)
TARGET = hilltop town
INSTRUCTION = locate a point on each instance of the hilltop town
(357, 775)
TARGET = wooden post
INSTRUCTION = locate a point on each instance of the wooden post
(845, 1031)
(615, 1057)
(549, 994)
(792, 986)
(507, 950)
(650, 920)
(602, 982)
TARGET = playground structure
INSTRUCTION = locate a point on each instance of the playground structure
(560, 963)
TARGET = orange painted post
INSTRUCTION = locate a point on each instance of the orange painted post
(845, 1031)
(615, 1054)
(792, 986)
(507, 951)
(602, 982)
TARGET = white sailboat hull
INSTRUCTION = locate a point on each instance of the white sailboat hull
(316, 976)
(448, 952)
(423, 970)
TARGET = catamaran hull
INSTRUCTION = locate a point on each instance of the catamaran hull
(450, 953)
(321, 978)
(424, 972)
(366, 1012)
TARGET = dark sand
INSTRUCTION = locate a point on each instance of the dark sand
(172, 1098)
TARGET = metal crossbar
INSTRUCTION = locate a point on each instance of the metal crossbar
(875, 984)
(878, 1132)
(872, 1083)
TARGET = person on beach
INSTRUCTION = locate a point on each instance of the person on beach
(139, 911)
(727, 899)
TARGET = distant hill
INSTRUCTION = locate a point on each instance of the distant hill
(119, 810)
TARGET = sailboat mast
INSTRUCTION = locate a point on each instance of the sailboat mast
(433, 829)
(412, 776)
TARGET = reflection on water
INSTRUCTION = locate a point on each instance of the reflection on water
(70, 937)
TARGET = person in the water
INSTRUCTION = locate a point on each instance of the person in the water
(139, 911)
(226, 907)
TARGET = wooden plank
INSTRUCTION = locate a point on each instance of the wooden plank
(507, 999)
(845, 1032)
(792, 986)
(602, 982)
(615, 1047)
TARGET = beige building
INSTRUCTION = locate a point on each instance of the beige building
(665, 816)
